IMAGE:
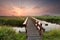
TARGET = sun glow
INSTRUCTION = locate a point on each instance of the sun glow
(17, 10)
(24, 11)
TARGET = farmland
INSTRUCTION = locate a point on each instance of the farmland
(52, 19)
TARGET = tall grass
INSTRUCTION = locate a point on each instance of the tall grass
(9, 34)
(52, 19)
(12, 21)
(52, 35)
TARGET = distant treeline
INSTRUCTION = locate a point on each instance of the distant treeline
(52, 19)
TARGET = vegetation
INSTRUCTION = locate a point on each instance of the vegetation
(52, 35)
(9, 34)
(6, 32)
(52, 19)
(12, 21)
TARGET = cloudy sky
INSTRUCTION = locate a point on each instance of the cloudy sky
(29, 7)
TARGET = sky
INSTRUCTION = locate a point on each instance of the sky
(29, 7)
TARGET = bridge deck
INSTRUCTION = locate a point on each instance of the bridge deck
(32, 31)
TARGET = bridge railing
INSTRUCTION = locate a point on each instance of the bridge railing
(38, 26)
(25, 22)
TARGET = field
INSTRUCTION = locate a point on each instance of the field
(52, 35)
(52, 19)
(7, 33)
(12, 21)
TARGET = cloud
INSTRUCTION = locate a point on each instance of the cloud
(29, 7)
(7, 10)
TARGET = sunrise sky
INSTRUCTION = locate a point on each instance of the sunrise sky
(29, 7)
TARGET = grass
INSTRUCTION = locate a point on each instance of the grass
(6, 32)
(12, 21)
(52, 35)
(9, 34)
(52, 19)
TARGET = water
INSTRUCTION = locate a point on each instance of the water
(49, 26)
(21, 29)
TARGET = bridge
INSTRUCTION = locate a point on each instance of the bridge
(34, 30)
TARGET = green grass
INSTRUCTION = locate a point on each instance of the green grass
(6, 32)
(52, 35)
(12, 21)
(52, 19)
(9, 34)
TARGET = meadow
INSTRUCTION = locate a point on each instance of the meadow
(52, 19)
(52, 35)
(12, 21)
(7, 33)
